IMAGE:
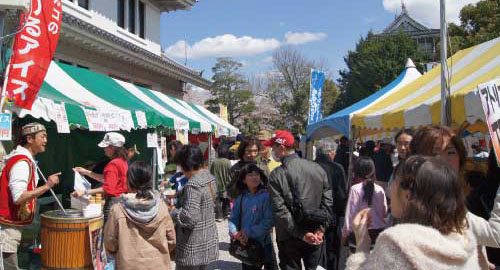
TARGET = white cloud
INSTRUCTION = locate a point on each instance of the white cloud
(231, 46)
(427, 11)
(295, 38)
(222, 46)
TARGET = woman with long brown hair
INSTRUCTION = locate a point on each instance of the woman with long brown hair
(445, 143)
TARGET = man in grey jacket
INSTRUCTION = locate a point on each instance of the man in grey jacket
(308, 183)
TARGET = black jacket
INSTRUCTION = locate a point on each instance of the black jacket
(342, 157)
(338, 184)
(311, 181)
(383, 166)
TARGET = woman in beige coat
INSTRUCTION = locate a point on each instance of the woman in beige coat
(433, 234)
(139, 233)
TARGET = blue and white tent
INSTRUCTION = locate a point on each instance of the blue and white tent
(339, 123)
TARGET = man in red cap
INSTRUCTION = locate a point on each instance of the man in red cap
(302, 204)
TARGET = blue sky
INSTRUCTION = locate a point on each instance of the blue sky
(249, 31)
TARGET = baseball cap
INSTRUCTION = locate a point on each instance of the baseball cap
(264, 135)
(282, 137)
(112, 139)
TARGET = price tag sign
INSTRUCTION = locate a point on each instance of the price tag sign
(5, 126)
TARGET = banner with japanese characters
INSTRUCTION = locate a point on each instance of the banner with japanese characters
(34, 47)
(490, 98)
(315, 97)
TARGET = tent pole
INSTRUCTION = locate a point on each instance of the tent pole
(352, 144)
(155, 163)
(210, 161)
(445, 91)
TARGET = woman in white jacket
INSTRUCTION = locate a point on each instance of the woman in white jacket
(444, 143)
(433, 234)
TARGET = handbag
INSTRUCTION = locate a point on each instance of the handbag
(252, 253)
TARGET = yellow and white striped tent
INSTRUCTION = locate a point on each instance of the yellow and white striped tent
(419, 102)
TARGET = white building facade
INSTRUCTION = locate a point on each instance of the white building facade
(121, 38)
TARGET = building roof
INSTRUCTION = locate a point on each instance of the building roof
(408, 24)
(171, 5)
(166, 64)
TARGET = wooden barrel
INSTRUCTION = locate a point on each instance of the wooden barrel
(66, 240)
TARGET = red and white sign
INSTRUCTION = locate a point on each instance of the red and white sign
(33, 50)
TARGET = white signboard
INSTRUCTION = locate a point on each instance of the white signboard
(94, 119)
(152, 139)
(57, 113)
(125, 120)
(141, 119)
(107, 120)
(490, 98)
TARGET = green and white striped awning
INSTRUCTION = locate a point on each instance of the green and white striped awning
(98, 102)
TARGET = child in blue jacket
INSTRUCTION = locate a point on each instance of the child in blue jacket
(257, 217)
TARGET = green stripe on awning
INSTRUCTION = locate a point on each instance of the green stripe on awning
(74, 112)
(183, 104)
(206, 116)
(109, 90)
(192, 123)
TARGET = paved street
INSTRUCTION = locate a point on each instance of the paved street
(226, 261)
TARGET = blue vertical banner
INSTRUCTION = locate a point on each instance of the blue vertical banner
(315, 97)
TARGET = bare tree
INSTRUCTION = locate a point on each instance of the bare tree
(288, 87)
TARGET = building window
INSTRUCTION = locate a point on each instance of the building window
(121, 13)
(131, 16)
(84, 4)
(141, 19)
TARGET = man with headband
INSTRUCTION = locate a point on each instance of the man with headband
(19, 191)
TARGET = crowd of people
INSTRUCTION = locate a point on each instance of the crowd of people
(409, 205)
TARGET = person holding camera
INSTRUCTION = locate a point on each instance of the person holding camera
(302, 202)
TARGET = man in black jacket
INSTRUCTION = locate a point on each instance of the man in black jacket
(342, 155)
(298, 182)
(325, 154)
